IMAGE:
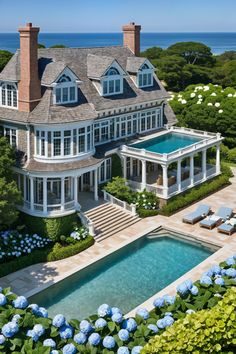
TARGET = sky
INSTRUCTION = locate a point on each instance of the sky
(110, 15)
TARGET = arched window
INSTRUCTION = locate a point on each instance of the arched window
(112, 71)
(145, 76)
(112, 83)
(8, 95)
(65, 90)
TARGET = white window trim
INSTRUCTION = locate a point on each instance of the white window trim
(140, 73)
(67, 85)
(113, 78)
(6, 105)
(106, 176)
(11, 128)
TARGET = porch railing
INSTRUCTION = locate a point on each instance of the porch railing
(131, 208)
(149, 188)
(86, 222)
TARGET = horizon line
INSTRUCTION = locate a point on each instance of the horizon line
(113, 32)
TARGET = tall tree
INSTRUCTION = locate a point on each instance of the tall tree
(193, 52)
(5, 56)
(9, 193)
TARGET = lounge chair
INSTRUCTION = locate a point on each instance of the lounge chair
(201, 212)
(228, 227)
(220, 216)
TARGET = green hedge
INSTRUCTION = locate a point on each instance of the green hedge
(207, 331)
(197, 193)
(50, 227)
(144, 213)
(45, 255)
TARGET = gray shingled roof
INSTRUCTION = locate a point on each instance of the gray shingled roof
(134, 64)
(90, 102)
(97, 65)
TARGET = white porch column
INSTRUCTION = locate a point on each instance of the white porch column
(96, 184)
(191, 170)
(165, 180)
(31, 193)
(131, 167)
(125, 167)
(144, 175)
(24, 187)
(45, 201)
(63, 193)
(76, 191)
(218, 159)
(179, 175)
(204, 152)
(91, 180)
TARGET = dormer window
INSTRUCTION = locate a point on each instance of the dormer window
(145, 76)
(8, 95)
(65, 90)
(112, 82)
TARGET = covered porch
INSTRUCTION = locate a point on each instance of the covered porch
(169, 174)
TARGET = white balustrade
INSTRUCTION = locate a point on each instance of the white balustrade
(131, 208)
(86, 222)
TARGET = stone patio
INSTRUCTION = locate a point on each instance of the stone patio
(35, 278)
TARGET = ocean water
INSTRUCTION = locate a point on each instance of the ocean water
(124, 279)
(219, 42)
(167, 143)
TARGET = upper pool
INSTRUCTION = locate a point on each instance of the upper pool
(125, 278)
(167, 143)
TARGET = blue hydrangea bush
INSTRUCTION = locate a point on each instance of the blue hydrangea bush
(14, 244)
(26, 328)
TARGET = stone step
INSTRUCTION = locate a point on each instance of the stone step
(108, 216)
(103, 235)
(98, 210)
(120, 220)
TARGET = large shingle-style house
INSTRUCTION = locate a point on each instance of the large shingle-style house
(67, 111)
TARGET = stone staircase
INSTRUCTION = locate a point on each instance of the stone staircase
(109, 219)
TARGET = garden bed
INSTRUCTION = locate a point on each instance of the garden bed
(27, 328)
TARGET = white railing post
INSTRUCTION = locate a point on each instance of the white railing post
(133, 209)
(91, 229)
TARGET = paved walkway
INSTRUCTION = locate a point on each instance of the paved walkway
(37, 277)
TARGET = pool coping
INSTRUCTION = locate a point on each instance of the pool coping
(158, 228)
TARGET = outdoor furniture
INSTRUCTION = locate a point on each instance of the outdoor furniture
(228, 227)
(220, 216)
(201, 212)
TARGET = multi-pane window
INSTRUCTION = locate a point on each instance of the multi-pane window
(112, 83)
(145, 76)
(8, 95)
(69, 142)
(65, 91)
(11, 135)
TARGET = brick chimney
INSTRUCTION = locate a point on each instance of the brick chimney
(29, 93)
(131, 37)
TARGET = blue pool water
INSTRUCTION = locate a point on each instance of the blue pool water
(167, 143)
(125, 278)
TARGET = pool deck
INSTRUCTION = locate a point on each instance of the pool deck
(33, 279)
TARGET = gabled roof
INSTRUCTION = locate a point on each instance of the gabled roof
(97, 65)
(134, 64)
(53, 60)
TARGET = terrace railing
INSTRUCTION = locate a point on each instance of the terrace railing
(149, 188)
(131, 208)
(208, 139)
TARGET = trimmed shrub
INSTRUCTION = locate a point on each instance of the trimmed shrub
(118, 188)
(144, 213)
(116, 166)
(50, 227)
(207, 331)
(45, 255)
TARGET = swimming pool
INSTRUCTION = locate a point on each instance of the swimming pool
(125, 278)
(167, 143)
